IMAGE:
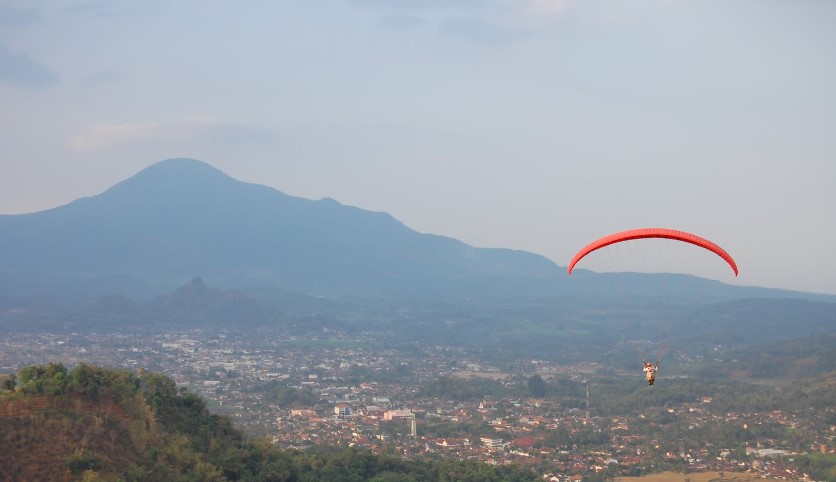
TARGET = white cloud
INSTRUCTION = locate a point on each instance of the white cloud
(546, 7)
(192, 129)
(107, 135)
(104, 136)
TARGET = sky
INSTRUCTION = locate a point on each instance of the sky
(537, 125)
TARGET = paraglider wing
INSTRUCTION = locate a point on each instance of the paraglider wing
(653, 233)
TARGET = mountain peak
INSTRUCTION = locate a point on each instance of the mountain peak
(177, 171)
(183, 165)
(182, 216)
(172, 180)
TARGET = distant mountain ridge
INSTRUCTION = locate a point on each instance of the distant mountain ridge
(181, 217)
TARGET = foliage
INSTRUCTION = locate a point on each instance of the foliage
(107, 425)
(460, 389)
(350, 465)
(819, 466)
(805, 357)
(537, 386)
(51, 379)
(82, 461)
(9, 383)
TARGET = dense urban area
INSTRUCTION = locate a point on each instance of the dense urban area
(448, 402)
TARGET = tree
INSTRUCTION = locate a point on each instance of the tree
(10, 383)
(537, 387)
(87, 380)
(51, 379)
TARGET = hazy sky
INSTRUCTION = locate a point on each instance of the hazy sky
(528, 124)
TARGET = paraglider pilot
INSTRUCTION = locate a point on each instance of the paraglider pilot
(650, 371)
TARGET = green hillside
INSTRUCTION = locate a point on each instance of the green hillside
(91, 423)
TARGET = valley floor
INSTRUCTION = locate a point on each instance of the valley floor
(701, 477)
(464, 407)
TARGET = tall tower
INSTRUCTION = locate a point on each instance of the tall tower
(413, 429)
(587, 399)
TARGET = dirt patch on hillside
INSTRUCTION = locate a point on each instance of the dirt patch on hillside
(699, 477)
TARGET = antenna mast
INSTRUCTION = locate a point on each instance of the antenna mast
(587, 399)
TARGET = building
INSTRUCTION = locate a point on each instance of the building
(493, 443)
(390, 415)
(342, 410)
(303, 412)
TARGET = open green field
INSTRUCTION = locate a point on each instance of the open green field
(699, 477)
(327, 343)
(525, 329)
(488, 375)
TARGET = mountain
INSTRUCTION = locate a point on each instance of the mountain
(805, 357)
(761, 320)
(194, 305)
(181, 218)
(199, 305)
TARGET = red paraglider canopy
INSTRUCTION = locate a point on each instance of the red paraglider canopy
(653, 233)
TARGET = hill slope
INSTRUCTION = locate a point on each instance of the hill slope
(181, 218)
(95, 424)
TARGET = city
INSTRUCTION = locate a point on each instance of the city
(436, 402)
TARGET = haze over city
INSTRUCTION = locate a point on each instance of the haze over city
(532, 125)
(358, 240)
